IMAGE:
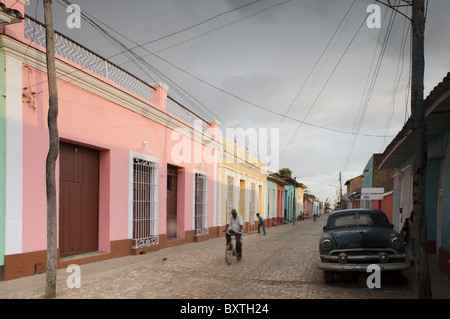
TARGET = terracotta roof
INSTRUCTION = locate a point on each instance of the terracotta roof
(351, 179)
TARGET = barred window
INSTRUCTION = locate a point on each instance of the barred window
(200, 204)
(145, 203)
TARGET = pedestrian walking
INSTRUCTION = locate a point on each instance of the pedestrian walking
(408, 233)
(261, 223)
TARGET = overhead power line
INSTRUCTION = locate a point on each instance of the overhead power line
(370, 90)
(185, 29)
(126, 49)
(329, 77)
(315, 64)
(134, 57)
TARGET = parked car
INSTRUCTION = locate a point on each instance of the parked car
(353, 239)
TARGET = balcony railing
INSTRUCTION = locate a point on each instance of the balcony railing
(78, 54)
(86, 59)
(179, 111)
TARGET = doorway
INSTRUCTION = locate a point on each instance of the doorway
(172, 179)
(78, 199)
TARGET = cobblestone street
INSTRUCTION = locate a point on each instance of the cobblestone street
(282, 264)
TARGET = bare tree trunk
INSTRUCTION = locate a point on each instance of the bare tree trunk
(420, 152)
(50, 291)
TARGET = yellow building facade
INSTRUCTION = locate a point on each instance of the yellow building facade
(300, 200)
(242, 186)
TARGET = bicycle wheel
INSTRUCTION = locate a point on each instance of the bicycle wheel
(229, 253)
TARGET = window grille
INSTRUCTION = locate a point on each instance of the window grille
(145, 203)
(200, 205)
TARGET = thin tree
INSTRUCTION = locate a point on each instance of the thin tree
(50, 291)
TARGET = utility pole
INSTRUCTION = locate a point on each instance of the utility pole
(340, 191)
(420, 142)
(50, 291)
(420, 151)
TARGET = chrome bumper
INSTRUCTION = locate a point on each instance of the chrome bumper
(363, 267)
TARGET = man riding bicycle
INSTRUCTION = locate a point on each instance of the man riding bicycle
(236, 224)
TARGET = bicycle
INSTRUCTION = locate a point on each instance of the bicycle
(230, 249)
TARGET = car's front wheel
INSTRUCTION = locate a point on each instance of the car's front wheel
(328, 276)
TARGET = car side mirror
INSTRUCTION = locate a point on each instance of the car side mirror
(324, 228)
(392, 226)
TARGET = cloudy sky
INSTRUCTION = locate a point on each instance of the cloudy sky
(336, 89)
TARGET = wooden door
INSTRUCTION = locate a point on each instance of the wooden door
(78, 200)
(171, 202)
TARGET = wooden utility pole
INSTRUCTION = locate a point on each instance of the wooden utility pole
(340, 191)
(420, 142)
(50, 291)
(420, 151)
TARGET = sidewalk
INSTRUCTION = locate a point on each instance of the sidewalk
(440, 283)
(34, 286)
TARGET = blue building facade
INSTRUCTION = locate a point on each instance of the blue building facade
(399, 156)
(290, 195)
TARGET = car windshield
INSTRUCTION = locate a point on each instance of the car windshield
(358, 219)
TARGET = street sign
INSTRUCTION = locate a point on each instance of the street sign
(372, 193)
(372, 196)
(372, 190)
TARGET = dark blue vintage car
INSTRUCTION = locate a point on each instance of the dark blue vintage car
(353, 239)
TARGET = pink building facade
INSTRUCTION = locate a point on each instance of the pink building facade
(129, 177)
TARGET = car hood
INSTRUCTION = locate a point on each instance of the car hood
(361, 237)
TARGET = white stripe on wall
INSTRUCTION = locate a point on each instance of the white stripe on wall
(14, 174)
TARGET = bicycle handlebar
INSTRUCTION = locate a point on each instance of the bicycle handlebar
(240, 233)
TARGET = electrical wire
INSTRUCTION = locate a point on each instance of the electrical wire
(214, 29)
(184, 94)
(125, 50)
(185, 29)
(371, 88)
(246, 101)
(327, 81)
(239, 98)
(315, 65)
(399, 73)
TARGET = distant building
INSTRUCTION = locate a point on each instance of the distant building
(275, 199)
(352, 198)
(373, 177)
